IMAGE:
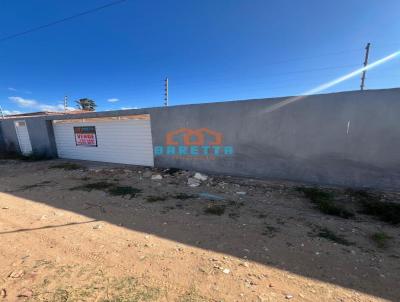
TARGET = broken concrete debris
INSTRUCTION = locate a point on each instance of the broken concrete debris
(193, 182)
(196, 180)
(156, 177)
(200, 176)
(147, 174)
(241, 193)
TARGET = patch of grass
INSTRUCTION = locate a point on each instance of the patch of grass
(40, 184)
(155, 198)
(34, 156)
(124, 190)
(183, 196)
(191, 296)
(101, 186)
(128, 289)
(61, 295)
(386, 211)
(372, 205)
(325, 202)
(381, 239)
(67, 166)
(331, 236)
(215, 209)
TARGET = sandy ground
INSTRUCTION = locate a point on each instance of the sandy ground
(59, 242)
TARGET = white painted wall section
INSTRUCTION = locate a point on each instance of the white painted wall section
(118, 141)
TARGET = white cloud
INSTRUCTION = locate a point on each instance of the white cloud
(113, 100)
(35, 105)
(21, 102)
(45, 107)
(128, 108)
(19, 90)
(10, 112)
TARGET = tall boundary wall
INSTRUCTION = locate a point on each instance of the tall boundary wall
(347, 138)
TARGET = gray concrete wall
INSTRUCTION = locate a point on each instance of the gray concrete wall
(308, 140)
(10, 138)
(42, 137)
(348, 138)
(2, 142)
(40, 132)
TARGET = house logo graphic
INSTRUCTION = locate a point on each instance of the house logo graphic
(194, 143)
(195, 137)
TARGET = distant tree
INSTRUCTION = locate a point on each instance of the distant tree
(86, 104)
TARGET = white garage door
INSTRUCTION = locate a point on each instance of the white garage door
(115, 141)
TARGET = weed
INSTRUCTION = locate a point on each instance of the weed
(329, 235)
(61, 295)
(372, 205)
(172, 171)
(234, 215)
(325, 202)
(122, 191)
(270, 231)
(183, 196)
(66, 166)
(191, 296)
(215, 209)
(101, 185)
(165, 210)
(155, 198)
(381, 239)
(236, 204)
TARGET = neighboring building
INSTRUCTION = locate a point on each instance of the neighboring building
(44, 113)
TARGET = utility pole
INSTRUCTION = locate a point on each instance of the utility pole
(166, 92)
(365, 65)
(65, 103)
(1, 112)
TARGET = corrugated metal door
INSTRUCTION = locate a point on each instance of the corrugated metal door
(118, 141)
(23, 137)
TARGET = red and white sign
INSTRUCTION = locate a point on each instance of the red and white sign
(85, 136)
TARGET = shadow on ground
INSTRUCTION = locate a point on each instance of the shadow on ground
(262, 221)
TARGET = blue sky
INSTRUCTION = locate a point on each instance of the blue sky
(210, 50)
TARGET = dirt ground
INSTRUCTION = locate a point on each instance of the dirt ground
(90, 232)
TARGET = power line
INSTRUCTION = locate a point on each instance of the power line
(90, 11)
(272, 75)
(315, 56)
